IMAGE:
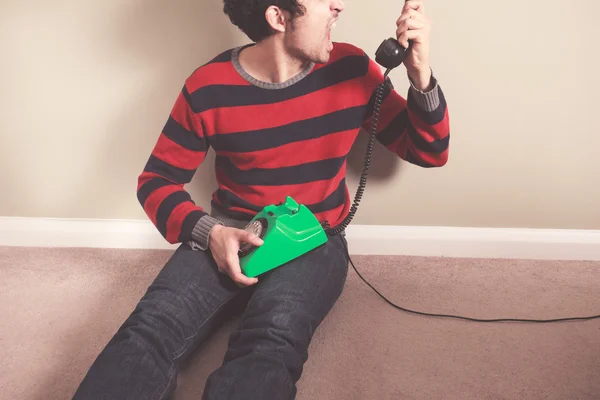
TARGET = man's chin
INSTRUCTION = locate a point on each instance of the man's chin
(322, 58)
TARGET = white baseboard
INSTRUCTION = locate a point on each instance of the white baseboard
(549, 244)
(95, 233)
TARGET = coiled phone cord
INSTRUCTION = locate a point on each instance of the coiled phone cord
(363, 176)
(359, 193)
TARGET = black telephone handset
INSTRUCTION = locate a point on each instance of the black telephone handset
(389, 55)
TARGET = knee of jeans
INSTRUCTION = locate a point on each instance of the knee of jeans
(160, 330)
(161, 320)
(282, 331)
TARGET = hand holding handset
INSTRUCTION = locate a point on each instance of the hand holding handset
(289, 230)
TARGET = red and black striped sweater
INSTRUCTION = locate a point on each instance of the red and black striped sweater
(276, 140)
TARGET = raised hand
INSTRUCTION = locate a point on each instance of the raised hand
(415, 26)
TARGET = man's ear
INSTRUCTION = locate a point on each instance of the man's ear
(276, 18)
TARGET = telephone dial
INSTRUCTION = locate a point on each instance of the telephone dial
(289, 229)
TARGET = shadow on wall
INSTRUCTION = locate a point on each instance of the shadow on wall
(162, 43)
(178, 37)
(384, 163)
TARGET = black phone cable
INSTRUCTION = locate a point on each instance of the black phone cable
(367, 164)
(460, 317)
(359, 193)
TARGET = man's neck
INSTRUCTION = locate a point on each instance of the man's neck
(268, 61)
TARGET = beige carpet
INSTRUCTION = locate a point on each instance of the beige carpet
(60, 306)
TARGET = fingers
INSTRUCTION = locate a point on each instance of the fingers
(411, 10)
(248, 237)
(227, 257)
(233, 262)
(409, 15)
(415, 36)
(235, 272)
(414, 5)
(412, 24)
(410, 29)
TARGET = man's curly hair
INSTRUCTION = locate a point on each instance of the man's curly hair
(249, 15)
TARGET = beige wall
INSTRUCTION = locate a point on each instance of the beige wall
(85, 88)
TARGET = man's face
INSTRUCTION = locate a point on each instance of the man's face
(309, 36)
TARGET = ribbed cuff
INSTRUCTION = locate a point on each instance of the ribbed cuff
(430, 100)
(201, 232)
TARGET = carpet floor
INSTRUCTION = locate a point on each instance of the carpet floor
(59, 307)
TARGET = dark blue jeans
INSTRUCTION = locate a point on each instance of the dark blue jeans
(189, 299)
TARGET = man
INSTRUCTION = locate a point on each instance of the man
(281, 115)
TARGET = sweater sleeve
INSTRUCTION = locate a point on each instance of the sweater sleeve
(416, 128)
(180, 149)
